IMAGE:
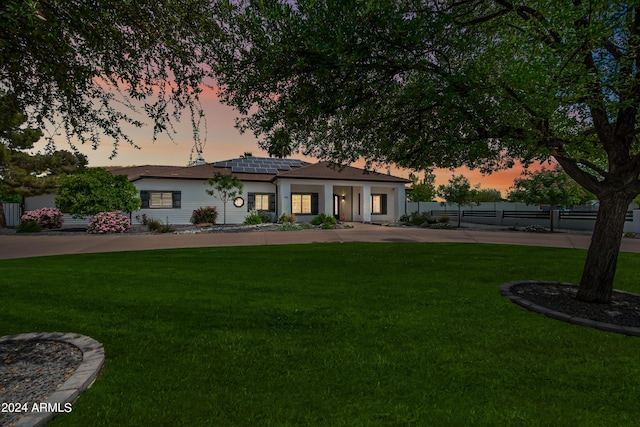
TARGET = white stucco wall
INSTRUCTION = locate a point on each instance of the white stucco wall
(193, 196)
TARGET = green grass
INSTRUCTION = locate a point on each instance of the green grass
(328, 335)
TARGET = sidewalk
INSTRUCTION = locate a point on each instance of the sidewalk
(23, 246)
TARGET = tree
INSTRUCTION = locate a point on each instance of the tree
(95, 190)
(279, 144)
(551, 187)
(225, 188)
(23, 172)
(422, 191)
(89, 68)
(478, 83)
(458, 191)
(487, 195)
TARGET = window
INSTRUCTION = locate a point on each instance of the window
(262, 202)
(304, 204)
(160, 199)
(379, 204)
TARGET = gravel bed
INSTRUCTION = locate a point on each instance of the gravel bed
(177, 229)
(32, 370)
(624, 309)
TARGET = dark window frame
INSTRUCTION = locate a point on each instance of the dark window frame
(251, 201)
(314, 204)
(176, 199)
(383, 203)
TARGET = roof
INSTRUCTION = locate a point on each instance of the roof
(197, 172)
(257, 169)
(260, 164)
(328, 170)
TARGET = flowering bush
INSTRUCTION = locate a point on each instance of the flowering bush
(108, 222)
(253, 217)
(45, 217)
(204, 215)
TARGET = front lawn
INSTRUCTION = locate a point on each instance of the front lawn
(364, 334)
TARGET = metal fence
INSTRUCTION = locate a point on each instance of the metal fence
(12, 213)
(587, 215)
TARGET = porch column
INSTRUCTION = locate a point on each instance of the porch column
(328, 200)
(401, 202)
(284, 198)
(366, 203)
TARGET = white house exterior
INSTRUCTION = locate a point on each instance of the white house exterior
(171, 193)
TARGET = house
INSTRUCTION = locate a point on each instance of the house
(270, 184)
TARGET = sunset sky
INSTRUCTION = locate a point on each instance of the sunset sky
(224, 141)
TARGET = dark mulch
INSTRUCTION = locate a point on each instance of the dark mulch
(624, 309)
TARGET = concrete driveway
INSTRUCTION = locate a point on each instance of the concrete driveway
(23, 246)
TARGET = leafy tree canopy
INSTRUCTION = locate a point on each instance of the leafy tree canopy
(96, 190)
(548, 187)
(481, 83)
(88, 68)
(487, 195)
(23, 172)
(422, 190)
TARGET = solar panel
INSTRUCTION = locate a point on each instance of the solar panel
(266, 165)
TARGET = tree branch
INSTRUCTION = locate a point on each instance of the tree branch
(582, 177)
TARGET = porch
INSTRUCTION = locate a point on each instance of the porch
(358, 202)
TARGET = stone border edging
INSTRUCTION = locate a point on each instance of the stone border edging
(82, 378)
(505, 291)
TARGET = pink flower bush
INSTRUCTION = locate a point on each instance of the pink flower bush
(108, 222)
(45, 217)
(204, 215)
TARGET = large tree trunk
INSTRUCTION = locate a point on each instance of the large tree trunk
(599, 271)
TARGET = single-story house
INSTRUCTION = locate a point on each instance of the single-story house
(270, 184)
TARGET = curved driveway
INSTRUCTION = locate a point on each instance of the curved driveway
(23, 246)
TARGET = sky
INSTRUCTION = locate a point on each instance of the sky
(223, 141)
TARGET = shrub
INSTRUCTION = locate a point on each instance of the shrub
(629, 234)
(287, 218)
(45, 217)
(534, 229)
(253, 217)
(417, 218)
(444, 219)
(329, 223)
(142, 219)
(29, 227)
(153, 224)
(204, 215)
(289, 226)
(108, 222)
(157, 225)
(266, 216)
(442, 226)
(319, 219)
